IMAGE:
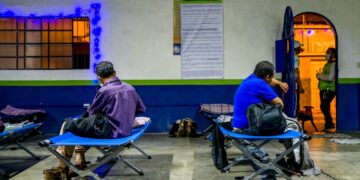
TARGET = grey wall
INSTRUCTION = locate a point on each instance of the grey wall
(137, 35)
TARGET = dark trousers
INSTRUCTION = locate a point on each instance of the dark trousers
(326, 97)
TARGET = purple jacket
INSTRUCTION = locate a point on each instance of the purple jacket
(120, 103)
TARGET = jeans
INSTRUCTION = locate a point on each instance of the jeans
(326, 97)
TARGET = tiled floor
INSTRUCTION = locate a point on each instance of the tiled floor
(190, 158)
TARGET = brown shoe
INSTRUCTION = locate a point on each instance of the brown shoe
(49, 174)
(57, 173)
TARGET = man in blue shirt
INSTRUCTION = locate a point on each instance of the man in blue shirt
(256, 88)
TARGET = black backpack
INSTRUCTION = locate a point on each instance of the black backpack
(265, 119)
(218, 152)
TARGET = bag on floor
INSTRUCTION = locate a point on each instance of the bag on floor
(183, 128)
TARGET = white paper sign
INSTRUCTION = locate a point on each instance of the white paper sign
(202, 41)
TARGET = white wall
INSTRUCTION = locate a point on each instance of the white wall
(137, 35)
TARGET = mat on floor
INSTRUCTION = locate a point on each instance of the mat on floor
(331, 135)
(346, 141)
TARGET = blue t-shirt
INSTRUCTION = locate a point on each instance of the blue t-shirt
(251, 91)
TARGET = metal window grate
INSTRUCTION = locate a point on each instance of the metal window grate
(44, 43)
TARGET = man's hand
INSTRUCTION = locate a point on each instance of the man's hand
(284, 87)
(318, 76)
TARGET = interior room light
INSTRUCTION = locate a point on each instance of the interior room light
(310, 32)
(93, 13)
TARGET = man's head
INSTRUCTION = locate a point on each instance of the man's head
(104, 71)
(330, 54)
(264, 70)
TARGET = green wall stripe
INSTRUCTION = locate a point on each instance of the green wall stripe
(201, 1)
(349, 81)
(132, 82)
(185, 82)
(49, 83)
(145, 82)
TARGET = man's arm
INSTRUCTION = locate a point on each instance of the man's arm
(329, 77)
(284, 86)
(298, 81)
(98, 103)
(140, 107)
(277, 100)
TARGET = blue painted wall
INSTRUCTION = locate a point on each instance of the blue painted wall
(348, 107)
(165, 104)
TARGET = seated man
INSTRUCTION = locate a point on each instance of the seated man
(117, 100)
(256, 88)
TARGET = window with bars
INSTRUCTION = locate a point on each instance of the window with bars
(44, 43)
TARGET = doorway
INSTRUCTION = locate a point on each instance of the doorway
(316, 34)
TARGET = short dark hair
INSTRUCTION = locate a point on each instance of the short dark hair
(105, 69)
(263, 69)
(333, 51)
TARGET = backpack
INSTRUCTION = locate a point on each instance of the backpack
(305, 165)
(218, 152)
(265, 119)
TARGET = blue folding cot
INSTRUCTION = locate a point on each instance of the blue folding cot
(110, 149)
(14, 137)
(243, 141)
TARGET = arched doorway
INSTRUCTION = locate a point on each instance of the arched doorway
(316, 33)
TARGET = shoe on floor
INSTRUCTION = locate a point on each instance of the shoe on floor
(56, 173)
(329, 129)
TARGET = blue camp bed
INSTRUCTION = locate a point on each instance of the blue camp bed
(243, 141)
(110, 149)
(211, 112)
(14, 137)
(132, 145)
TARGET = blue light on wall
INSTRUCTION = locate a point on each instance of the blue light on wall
(96, 30)
(94, 15)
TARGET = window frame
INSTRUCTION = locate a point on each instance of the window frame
(21, 57)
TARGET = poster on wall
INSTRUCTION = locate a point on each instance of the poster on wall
(176, 28)
(202, 39)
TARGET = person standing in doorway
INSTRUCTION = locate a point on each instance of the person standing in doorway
(327, 87)
(298, 86)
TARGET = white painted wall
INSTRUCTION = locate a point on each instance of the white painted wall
(137, 35)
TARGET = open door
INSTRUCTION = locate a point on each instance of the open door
(285, 61)
(316, 34)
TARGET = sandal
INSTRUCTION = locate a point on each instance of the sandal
(57, 173)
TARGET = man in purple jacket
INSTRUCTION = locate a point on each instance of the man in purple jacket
(117, 100)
